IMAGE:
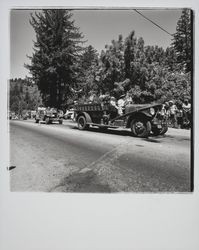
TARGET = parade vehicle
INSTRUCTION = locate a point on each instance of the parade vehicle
(49, 115)
(142, 119)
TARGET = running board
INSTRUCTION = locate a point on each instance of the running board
(102, 125)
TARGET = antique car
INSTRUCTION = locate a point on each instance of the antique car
(141, 119)
(49, 115)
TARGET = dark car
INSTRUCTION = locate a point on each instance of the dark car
(141, 119)
(49, 115)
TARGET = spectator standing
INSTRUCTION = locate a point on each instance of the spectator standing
(186, 105)
(187, 110)
(172, 114)
(179, 114)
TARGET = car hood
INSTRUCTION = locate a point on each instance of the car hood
(137, 107)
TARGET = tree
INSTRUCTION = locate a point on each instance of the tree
(182, 41)
(88, 69)
(24, 95)
(57, 51)
(111, 66)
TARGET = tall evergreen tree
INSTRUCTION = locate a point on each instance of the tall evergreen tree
(56, 54)
(182, 41)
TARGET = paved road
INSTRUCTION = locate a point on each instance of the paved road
(61, 158)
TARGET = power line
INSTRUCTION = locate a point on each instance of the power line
(153, 22)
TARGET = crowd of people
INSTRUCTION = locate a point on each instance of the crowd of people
(178, 113)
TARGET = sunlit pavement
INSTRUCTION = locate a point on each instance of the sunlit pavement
(61, 158)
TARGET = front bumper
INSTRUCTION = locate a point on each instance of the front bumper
(159, 123)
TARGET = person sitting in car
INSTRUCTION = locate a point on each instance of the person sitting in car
(113, 107)
(121, 104)
(113, 102)
(128, 99)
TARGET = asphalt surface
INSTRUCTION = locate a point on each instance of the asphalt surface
(61, 158)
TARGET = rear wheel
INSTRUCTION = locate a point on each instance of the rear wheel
(140, 127)
(81, 122)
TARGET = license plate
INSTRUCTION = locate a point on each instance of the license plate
(159, 126)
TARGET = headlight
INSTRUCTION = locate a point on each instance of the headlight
(152, 111)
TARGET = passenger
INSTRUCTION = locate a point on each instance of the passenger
(104, 97)
(113, 102)
(114, 107)
(128, 99)
(121, 104)
(93, 97)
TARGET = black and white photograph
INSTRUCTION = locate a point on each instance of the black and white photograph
(100, 100)
(99, 125)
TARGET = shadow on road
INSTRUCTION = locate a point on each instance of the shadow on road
(82, 182)
(151, 138)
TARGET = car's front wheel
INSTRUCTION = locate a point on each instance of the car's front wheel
(140, 127)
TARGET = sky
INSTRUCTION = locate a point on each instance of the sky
(99, 28)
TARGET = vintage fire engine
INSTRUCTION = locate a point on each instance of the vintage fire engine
(142, 119)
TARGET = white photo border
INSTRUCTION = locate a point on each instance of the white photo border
(94, 221)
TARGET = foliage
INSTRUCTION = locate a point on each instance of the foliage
(57, 49)
(88, 70)
(182, 41)
(24, 95)
(64, 70)
(149, 73)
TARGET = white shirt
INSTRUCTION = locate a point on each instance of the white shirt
(120, 102)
